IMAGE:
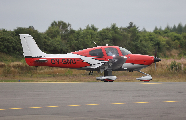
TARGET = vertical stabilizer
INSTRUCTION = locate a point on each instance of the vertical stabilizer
(30, 48)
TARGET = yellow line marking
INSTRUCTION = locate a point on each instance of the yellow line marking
(170, 101)
(15, 108)
(35, 107)
(141, 102)
(150, 83)
(73, 105)
(92, 104)
(2, 109)
(52, 106)
(117, 103)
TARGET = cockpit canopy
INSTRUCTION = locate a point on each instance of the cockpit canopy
(124, 51)
(110, 51)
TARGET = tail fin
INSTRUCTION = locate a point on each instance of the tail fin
(30, 48)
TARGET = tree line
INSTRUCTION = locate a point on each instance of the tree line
(60, 38)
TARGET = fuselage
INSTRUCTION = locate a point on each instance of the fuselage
(92, 59)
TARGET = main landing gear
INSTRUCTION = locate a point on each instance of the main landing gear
(108, 77)
(91, 72)
(146, 78)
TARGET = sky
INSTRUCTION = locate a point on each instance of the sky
(101, 13)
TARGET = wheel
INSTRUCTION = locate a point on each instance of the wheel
(146, 81)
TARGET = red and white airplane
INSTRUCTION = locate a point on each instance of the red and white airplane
(101, 58)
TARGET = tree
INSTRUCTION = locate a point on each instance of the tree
(53, 32)
(174, 29)
(131, 25)
(10, 43)
(63, 26)
(168, 28)
(184, 29)
(180, 28)
(155, 29)
(92, 27)
(105, 37)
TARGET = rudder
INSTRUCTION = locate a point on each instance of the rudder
(30, 48)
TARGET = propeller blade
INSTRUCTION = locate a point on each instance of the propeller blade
(155, 57)
(155, 52)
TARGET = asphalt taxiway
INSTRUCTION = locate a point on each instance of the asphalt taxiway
(94, 101)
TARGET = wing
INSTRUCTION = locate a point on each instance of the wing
(115, 63)
(118, 61)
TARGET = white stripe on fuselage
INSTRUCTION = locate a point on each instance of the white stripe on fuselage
(129, 66)
(94, 63)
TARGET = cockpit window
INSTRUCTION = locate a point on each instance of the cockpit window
(124, 51)
(96, 52)
(111, 51)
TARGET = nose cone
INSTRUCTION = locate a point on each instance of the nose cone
(157, 60)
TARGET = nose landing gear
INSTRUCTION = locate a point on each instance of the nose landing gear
(146, 78)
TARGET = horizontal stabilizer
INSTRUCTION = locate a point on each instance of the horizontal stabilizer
(41, 60)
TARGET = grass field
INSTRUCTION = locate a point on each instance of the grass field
(20, 71)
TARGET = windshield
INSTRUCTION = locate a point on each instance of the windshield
(111, 51)
(124, 51)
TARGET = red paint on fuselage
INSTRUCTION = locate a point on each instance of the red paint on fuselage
(139, 59)
(58, 62)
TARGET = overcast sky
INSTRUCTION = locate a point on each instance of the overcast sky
(102, 13)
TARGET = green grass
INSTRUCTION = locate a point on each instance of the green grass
(8, 58)
(12, 80)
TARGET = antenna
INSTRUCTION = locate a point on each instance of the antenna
(95, 43)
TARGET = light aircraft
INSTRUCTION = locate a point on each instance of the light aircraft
(101, 58)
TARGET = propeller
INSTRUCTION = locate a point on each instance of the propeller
(155, 57)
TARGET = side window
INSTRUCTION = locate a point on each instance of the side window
(111, 51)
(96, 52)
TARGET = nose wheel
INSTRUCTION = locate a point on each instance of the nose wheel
(146, 78)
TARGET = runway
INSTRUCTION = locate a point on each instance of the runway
(93, 101)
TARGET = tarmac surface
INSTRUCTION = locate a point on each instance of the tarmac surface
(93, 101)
